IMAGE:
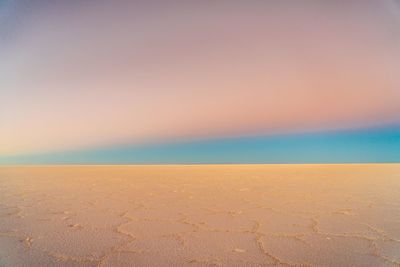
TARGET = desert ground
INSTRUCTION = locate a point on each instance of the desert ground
(200, 215)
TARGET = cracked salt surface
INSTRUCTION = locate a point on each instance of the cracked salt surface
(200, 215)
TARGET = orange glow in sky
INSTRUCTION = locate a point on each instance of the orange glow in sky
(77, 74)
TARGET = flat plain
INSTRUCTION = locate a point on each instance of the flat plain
(200, 215)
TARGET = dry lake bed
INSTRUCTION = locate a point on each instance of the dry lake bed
(200, 215)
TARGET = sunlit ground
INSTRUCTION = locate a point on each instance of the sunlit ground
(200, 215)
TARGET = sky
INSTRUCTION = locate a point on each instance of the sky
(199, 81)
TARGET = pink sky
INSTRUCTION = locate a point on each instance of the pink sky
(76, 75)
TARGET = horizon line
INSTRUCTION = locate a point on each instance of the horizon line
(190, 164)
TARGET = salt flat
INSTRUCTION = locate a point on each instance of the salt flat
(200, 215)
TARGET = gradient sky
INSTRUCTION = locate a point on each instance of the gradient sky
(99, 75)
